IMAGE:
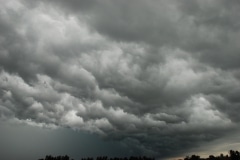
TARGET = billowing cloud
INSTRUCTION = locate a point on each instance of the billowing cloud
(160, 76)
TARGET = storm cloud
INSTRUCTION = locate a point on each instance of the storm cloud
(161, 76)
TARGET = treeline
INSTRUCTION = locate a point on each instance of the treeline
(117, 158)
(233, 155)
(49, 157)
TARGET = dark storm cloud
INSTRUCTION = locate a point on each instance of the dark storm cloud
(218, 19)
(160, 76)
(206, 29)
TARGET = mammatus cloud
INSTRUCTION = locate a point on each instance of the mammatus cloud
(157, 75)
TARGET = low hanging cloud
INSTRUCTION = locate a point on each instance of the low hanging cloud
(157, 75)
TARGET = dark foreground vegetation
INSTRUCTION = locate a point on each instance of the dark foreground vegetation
(233, 155)
(49, 157)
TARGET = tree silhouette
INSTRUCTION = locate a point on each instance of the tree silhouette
(233, 155)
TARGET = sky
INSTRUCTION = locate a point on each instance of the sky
(119, 78)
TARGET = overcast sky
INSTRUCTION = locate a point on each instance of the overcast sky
(119, 77)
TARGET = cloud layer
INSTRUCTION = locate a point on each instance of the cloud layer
(160, 76)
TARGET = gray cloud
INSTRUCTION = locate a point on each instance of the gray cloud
(155, 75)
